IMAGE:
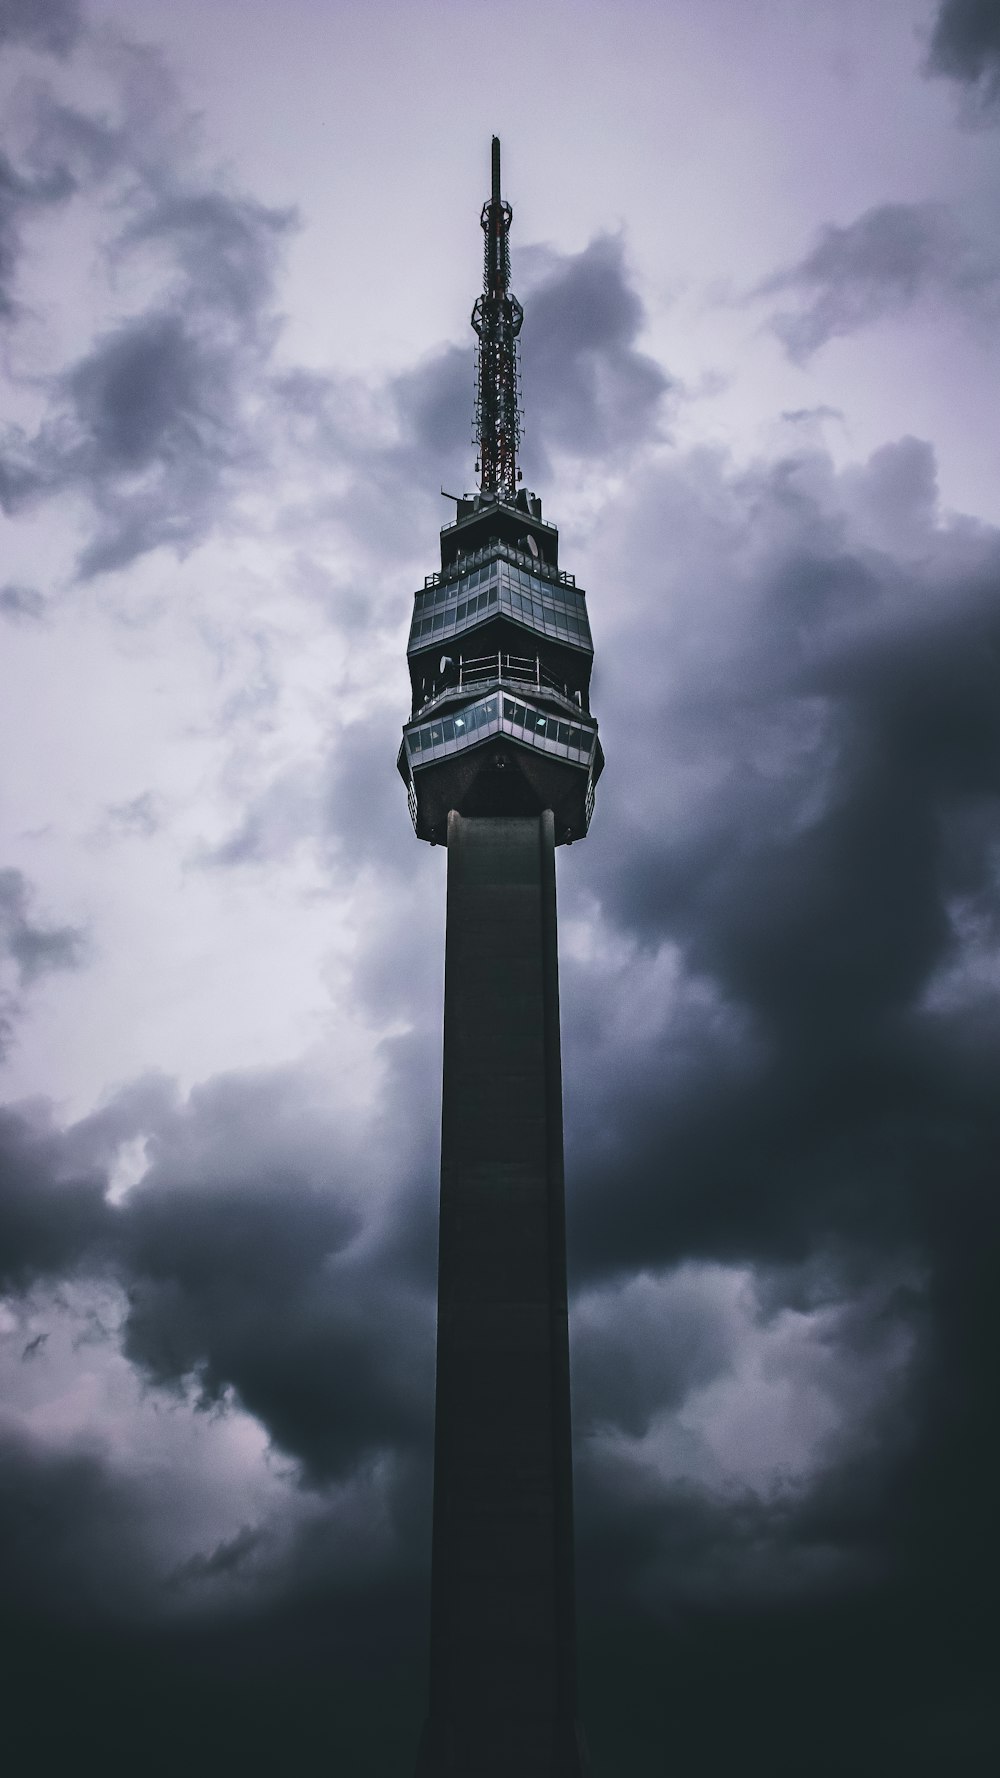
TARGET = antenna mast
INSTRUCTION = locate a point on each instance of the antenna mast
(497, 318)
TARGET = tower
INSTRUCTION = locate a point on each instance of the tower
(500, 758)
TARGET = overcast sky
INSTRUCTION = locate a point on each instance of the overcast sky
(757, 246)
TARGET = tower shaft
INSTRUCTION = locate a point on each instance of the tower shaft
(503, 1670)
(501, 758)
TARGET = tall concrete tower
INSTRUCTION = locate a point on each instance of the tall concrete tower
(500, 759)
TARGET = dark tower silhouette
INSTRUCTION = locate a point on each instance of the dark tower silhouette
(500, 759)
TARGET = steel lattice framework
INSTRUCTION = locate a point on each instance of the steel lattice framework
(497, 318)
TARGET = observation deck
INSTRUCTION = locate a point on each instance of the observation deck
(500, 656)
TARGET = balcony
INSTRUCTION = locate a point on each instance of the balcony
(500, 712)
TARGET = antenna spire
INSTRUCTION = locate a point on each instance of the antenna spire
(497, 318)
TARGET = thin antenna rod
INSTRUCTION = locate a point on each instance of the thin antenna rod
(497, 318)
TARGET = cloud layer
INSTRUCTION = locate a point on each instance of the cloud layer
(778, 973)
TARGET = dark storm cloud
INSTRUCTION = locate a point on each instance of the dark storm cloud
(879, 265)
(71, 1532)
(227, 1557)
(811, 818)
(52, 1210)
(781, 1053)
(798, 695)
(642, 1355)
(52, 25)
(435, 402)
(966, 47)
(150, 424)
(806, 786)
(807, 822)
(261, 1264)
(225, 248)
(247, 1255)
(157, 400)
(593, 392)
(261, 1258)
(252, 1283)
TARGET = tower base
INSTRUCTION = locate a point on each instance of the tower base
(495, 1753)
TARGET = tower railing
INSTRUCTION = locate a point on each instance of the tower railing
(476, 672)
(477, 558)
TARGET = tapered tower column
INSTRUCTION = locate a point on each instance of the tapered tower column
(503, 1681)
(501, 758)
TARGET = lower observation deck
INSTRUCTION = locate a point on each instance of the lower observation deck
(515, 748)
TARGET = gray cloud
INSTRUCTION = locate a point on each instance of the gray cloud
(593, 392)
(792, 792)
(140, 815)
(52, 1210)
(156, 399)
(22, 195)
(781, 1050)
(231, 1556)
(34, 949)
(52, 25)
(965, 47)
(150, 424)
(882, 263)
(71, 1533)
(805, 811)
(246, 1255)
(781, 1043)
(224, 246)
(21, 604)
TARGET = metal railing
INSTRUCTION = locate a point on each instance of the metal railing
(443, 700)
(522, 670)
(477, 558)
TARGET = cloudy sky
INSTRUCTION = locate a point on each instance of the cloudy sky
(757, 246)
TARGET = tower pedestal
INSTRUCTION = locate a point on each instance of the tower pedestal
(503, 1665)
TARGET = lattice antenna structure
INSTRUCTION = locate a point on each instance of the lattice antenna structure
(497, 317)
